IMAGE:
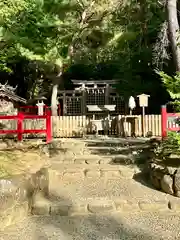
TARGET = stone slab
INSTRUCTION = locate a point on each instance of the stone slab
(153, 206)
(174, 205)
(88, 170)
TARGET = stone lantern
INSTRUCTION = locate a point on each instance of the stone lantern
(40, 104)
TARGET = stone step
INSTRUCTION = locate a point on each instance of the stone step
(90, 195)
(117, 148)
(81, 171)
(93, 159)
(98, 155)
(106, 144)
(97, 206)
(103, 149)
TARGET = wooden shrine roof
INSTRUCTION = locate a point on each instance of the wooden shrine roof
(8, 91)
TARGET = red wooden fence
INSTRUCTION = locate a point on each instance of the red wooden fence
(164, 121)
(20, 131)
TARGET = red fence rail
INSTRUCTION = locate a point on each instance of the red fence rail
(20, 117)
(165, 119)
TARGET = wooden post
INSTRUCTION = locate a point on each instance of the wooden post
(59, 109)
(143, 102)
(83, 101)
(164, 121)
(20, 126)
(143, 121)
(107, 94)
(48, 127)
(64, 104)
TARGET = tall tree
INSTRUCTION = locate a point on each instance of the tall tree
(173, 27)
(51, 31)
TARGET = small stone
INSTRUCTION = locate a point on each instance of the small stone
(92, 173)
(73, 174)
(126, 205)
(99, 207)
(174, 205)
(60, 209)
(79, 161)
(167, 184)
(92, 161)
(105, 161)
(153, 206)
(65, 209)
(40, 205)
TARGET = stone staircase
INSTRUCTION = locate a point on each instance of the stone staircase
(87, 176)
(98, 151)
(88, 191)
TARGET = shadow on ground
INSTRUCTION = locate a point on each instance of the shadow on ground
(82, 227)
(143, 178)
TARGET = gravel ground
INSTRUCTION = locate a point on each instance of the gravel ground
(78, 189)
(112, 227)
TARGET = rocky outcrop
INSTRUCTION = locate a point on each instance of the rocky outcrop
(166, 179)
(17, 196)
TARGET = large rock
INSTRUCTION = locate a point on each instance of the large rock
(171, 170)
(39, 181)
(161, 177)
(155, 181)
(13, 200)
(18, 194)
(164, 178)
(167, 184)
(40, 204)
(177, 182)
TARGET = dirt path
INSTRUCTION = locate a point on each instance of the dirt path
(125, 226)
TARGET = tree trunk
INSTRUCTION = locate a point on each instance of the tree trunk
(54, 100)
(173, 27)
(56, 83)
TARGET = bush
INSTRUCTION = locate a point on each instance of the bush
(171, 145)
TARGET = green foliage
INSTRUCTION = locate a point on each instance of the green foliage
(171, 145)
(172, 84)
(116, 34)
(44, 30)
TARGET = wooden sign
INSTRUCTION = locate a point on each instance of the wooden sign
(143, 100)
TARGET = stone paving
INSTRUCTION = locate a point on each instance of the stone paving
(72, 196)
(94, 187)
(121, 226)
(94, 197)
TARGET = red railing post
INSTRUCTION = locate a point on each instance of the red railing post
(48, 126)
(164, 121)
(20, 126)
